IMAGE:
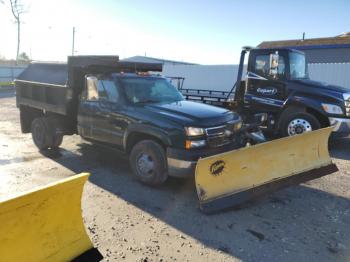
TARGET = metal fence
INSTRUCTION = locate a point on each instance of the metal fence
(9, 73)
(223, 77)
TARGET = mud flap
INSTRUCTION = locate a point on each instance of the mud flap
(231, 178)
(46, 224)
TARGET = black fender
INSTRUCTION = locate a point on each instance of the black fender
(305, 103)
(148, 130)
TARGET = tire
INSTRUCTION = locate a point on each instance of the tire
(44, 133)
(56, 141)
(148, 163)
(298, 123)
(55, 136)
(39, 133)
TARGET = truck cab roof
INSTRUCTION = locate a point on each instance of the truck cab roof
(276, 49)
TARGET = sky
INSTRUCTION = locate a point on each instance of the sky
(199, 31)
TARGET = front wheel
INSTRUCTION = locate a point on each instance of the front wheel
(148, 163)
(298, 123)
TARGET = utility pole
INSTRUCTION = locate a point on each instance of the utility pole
(73, 40)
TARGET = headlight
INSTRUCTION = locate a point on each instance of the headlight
(332, 109)
(195, 143)
(194, 131)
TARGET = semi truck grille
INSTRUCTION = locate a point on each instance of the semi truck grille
(347, 106)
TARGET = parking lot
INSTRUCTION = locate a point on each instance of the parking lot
(131, 222)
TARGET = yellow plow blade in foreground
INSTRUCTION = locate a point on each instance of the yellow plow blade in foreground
(46, 224)
(231, 178)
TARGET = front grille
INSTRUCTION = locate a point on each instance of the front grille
(218, 141)
(215, 131)
(219, 135)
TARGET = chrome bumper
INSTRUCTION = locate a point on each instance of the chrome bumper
(181, 168)
(341, 125)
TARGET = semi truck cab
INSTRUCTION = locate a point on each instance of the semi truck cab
(277, 83)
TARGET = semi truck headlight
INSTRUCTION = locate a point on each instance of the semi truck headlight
(332, 109)
(194, 131)
(195, 143)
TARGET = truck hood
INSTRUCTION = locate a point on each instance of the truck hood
(192, 113)
(324, 86)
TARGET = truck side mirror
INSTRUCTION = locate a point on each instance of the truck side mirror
(91, 88)
(274, 64)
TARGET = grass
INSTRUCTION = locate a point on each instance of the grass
(6, 84)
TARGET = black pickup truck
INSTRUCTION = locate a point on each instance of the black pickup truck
(117, 104)
(277, 83)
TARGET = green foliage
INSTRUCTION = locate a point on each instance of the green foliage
(23, 57)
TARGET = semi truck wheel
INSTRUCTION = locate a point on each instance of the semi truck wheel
(148, 163)
(298, 123)
(39, 131)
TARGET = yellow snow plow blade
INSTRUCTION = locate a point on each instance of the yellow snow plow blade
(46, 224)
(231, 178)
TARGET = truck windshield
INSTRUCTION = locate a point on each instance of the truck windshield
(298, 69)
(150, 90)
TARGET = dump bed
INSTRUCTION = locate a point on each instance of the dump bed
(55, 87)
(44, 86)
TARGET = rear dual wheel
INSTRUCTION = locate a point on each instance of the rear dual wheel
(44, 133)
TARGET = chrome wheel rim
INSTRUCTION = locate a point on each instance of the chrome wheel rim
(299, 126)
(145, 165)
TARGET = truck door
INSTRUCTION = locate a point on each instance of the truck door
(108, 119)
(88, 97)
(98, 111)
(266, 90)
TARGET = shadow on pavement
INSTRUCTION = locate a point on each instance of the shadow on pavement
(280, 227)
(340, 148)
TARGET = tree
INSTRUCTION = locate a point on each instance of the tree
(17, 10)
(23, 57)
